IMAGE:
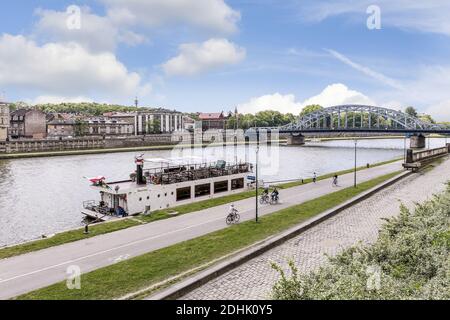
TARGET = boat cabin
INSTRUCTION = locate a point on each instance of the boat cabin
(161, 183)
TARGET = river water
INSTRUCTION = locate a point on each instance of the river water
(41, 196)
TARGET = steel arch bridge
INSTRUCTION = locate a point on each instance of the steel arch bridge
(360, 118)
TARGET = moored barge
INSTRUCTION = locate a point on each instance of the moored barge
(165, 183)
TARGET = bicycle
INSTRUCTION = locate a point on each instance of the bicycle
(264, 199)
(233, 217)
(274, 200)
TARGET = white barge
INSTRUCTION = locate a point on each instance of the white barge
(164, 183)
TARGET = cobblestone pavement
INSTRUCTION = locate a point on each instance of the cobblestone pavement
(254, 279)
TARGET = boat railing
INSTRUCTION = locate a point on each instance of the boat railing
(95, 206)
(171, 175)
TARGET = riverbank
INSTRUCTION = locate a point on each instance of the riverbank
(117, 150)
(433, 136)
(142, 271)
(111, 226)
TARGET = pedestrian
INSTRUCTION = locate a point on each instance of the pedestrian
(314, 177)
(335, 181)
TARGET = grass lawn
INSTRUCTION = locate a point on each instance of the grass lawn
(74, 235)
(140, 272)
(66, 237)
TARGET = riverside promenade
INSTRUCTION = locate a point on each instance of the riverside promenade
(360, 223)
(35, 270)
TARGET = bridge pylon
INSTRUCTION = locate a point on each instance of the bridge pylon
(417, 141)
(296, 140)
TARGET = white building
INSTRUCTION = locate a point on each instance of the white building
(4, 120)
(152, 121)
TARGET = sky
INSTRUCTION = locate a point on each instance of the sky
(216, 55)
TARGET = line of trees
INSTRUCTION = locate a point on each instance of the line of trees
(83, 108)
(268, 118)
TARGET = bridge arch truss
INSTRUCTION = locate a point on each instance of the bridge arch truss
(359, 117)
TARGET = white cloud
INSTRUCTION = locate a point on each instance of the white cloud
(64, 70)
(422, 16)
(338, 94)
(278, 102)
(196, 58)
(439, 111)
(367, 71)
(57, 100)
(97, 33)
(212, 15)
(332, 95)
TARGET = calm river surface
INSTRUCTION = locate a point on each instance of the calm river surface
(44, 195)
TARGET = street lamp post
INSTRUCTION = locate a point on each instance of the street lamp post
(256, 175)
(404, 149)
(354, 180)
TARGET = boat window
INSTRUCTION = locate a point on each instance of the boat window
(183, 193)
(237, 184)
(221, 186)
(202, 190)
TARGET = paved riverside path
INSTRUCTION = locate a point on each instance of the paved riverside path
(361, 222)
(35, 270)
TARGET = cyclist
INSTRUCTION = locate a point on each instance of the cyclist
(233, 216)
(275, 194)
(232, 210)
(265, 195)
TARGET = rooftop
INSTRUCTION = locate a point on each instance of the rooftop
(211, 116)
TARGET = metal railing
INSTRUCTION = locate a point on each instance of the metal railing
(177, 174)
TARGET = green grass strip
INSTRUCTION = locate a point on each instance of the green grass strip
(140, 272)
(74, 235)
(66, 237)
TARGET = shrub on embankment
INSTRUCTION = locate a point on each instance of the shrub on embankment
(410, 260)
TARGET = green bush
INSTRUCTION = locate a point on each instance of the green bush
(411, 259)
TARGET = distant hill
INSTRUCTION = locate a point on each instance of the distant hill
(84, 108)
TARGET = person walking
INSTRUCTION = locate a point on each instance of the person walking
(315, 177)
(335, 181)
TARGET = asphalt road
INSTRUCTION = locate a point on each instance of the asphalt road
(25, 273)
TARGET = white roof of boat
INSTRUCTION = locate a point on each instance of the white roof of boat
(176, 160)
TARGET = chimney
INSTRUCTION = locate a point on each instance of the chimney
(140, 172)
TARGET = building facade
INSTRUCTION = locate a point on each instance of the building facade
(189, 123)
(28, 123)
(4, 121)
(153, 121)
(108, 127)
(60, 128)
(213, 121)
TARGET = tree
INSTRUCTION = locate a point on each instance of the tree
(310, 109)
(80, 128)
(411, 111)
(154, 127)
(427, 118)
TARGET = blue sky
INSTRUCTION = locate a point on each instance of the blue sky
(213, 55)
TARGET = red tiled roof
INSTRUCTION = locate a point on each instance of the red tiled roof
(210, 116)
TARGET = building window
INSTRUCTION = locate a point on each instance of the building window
(183, 194)
(237, 184)
(221, 186)
(202, 190)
